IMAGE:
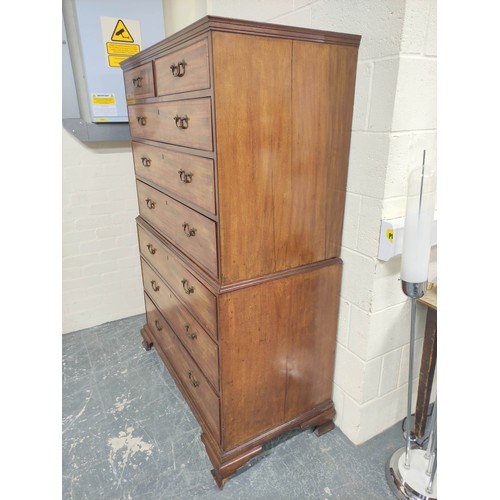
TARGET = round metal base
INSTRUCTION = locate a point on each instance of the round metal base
(410, 483)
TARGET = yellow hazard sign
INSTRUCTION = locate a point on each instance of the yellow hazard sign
(390, 235)
(121, 38)
(121, 33)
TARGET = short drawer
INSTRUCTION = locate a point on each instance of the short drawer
(189, 289)
(199, 344)
(187, 122)
(193, 233)
(190, 177)
(184, 70)
(192, 379)
(139, 82)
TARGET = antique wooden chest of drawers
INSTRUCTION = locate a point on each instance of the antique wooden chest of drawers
(240, 137)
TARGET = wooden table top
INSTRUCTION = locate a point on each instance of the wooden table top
(430, 298)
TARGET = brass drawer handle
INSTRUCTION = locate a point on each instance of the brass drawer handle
(146, 161)
(154, 286)
(181, 122)
(141, 120)
(158, 325)
(192, 335)
(150, 203)
(188, 289)
(179, 69)
(137, 82)
(189, 232)
(151, 249)
(185, 177)
(192, 380)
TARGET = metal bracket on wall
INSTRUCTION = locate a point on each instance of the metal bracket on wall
(96, 132)
(391, 237)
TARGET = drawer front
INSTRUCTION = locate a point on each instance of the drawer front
(187, 122)
(188, 289)
(139, 82)
(190, 177)
(200, 345)
(193, 233)
(184, 70)
(192, 379)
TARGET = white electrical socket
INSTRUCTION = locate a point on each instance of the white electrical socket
(391, 237)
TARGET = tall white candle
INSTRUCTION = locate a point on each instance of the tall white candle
(417, 233)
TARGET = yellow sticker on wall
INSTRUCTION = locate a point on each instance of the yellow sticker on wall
(128, 49)
(103, 99)
(103, 104)
(390, 235)
(114, 61)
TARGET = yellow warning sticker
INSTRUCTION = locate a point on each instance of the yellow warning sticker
(114, 61)
(103, 105)
(121, 33)
(390, 235)
(103, 99)
(127, 49)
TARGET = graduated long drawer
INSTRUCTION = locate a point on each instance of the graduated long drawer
(191, 292)
(193, 233)
(187, 122)
(190, 376)
(200, 345)
(187, 176)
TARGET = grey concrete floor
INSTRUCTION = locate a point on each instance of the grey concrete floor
(128, 434)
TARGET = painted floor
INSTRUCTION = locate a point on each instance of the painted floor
(128, 434)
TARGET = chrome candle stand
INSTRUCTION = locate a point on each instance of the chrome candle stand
(412, 471)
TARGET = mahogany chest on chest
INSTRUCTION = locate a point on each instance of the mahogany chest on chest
(240, 137)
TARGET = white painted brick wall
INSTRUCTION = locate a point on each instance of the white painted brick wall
(100, 269)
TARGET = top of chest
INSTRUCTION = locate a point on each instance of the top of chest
(182, 62)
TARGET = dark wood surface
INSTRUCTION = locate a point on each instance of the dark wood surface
(244, 310)
(428, 362)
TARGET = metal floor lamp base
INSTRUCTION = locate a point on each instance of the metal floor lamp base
(410, 483)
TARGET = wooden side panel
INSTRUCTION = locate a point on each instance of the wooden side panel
(323, 96)
(312, 333)
(252, 89)
(283, 128)
(277, 343)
